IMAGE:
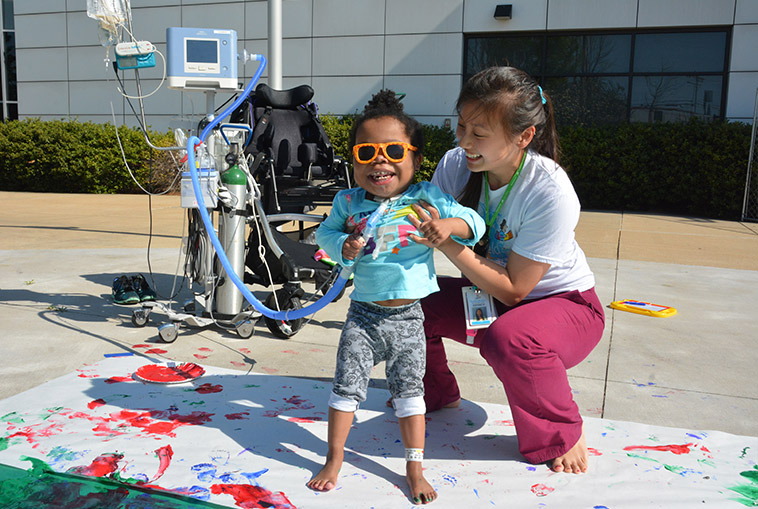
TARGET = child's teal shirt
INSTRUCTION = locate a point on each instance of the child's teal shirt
(391, 265)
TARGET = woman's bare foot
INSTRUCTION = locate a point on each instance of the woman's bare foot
(421, 491)
(326, 479)
(575, 461)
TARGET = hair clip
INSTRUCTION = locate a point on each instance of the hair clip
(542, 95)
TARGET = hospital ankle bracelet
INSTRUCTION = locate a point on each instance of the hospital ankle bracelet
(414, 454)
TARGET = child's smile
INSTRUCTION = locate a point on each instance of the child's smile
(381, 177)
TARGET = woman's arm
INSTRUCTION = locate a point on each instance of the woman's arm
(509, 284)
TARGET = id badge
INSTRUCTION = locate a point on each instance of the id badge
(479, 308)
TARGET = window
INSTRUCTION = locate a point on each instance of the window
(8, 87)
(611, 77)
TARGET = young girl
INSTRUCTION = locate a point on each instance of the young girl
(550, 317)
(385, 321)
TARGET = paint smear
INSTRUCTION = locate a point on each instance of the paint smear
(676, 449)
(749, 492)
(102, 466)
(164, 454)
(304, 421)
(238, 416)
(33, 488)
(541, 490)
(156, 351)
(119, 379)
(209, 388)
(253, 497)
(204, 349)
(95, 403)
(594, 452)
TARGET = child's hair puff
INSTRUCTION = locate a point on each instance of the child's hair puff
(385, 103)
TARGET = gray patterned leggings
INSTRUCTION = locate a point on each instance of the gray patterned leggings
(372, 334)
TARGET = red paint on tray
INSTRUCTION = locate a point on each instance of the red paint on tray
(209, 388)
(676, 449)
(159, 373)
(248, 496)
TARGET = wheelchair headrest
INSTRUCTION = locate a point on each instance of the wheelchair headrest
(282, 99)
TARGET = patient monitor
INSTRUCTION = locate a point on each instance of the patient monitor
(201, 58)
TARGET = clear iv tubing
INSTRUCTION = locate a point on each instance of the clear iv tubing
(290, 314)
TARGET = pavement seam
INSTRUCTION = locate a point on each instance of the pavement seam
(612, 316)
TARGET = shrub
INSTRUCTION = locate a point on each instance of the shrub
(75, 157)
(694, 168)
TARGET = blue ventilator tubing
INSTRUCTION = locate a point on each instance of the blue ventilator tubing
(290, 314)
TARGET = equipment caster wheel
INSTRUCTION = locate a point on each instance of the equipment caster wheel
(281, 328)
(321, 280)
(140, 317)
(245, 329)
(168, 332)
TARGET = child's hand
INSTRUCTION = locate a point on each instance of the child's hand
(435, 231)
(352, 246)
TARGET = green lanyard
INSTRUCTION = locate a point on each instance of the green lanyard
(490, 220)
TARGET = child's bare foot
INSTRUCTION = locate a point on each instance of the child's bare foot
(421, 491)
(575, 460)
(326, 479)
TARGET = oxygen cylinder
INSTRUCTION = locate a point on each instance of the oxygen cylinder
(231, 229)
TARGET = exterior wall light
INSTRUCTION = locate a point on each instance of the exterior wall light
(503, 12)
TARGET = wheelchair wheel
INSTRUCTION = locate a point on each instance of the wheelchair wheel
(281, 328)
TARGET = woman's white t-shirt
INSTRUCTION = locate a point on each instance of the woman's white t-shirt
(537, 220)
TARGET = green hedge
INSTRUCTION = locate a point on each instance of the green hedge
(694, 169)
(77, 157)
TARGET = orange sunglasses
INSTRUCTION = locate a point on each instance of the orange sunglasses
(394, 151)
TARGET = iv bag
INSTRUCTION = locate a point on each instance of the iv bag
(111, 14)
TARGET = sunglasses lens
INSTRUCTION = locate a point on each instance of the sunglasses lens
(395, 151)
(366, 153)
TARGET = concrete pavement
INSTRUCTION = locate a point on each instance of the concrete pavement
(60, 252)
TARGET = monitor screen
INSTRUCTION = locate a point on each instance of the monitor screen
(202, 51)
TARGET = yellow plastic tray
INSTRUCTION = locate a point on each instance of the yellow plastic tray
(643, 308)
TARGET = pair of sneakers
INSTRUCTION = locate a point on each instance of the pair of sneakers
(131, 290)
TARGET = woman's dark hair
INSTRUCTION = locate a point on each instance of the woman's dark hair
(515, 99)
(386, 104)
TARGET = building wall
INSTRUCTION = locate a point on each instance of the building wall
(346, 49)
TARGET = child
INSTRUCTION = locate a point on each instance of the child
(385, 322)
(550, 319)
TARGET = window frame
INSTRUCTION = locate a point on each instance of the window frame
(629, 73)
